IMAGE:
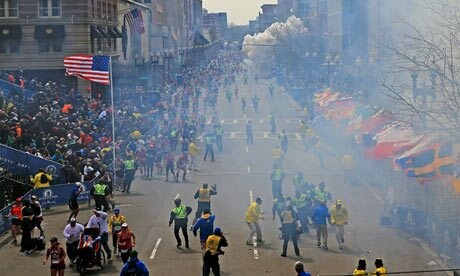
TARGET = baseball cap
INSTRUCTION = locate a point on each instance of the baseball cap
(299, 265)
(73, 220)
(217, 230)
(18, 199)
(338, 202)
(116, 210)
(124, 225)
(33, 197)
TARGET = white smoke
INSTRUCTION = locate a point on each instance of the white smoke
(257, 47)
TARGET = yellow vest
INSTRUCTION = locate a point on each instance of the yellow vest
(204, 195)
(212, 244)
(180, 212)
(99, 189)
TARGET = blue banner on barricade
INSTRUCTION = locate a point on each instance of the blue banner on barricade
(24, 164)
(50, 196)
(5, 222)
(59, 194)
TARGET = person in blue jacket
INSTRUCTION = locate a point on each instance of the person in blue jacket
(134, 266)
(206, 226)
(320, 217)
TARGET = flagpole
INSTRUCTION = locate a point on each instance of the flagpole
(113, 123)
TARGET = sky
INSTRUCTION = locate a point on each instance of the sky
(239, 12)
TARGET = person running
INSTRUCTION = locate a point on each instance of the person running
(73, 200)
(130, 167)
(214, 243)
(253, 215)
(272, 122)
(361, 268)
(134, 266)
(57, 254)
(38, 214)
(299, 268)
(72, 234)
(115, 223)
(283, 141)
(277, 178)
(209, 140)
(249, 133)
(169, 164)
(203, 195)
(206, 226)
(380, 270)
(255, 103)
(243, 105)
(16, 218)
(219, 132)
(193, 151)
(289, 220)
(126, 241)
(179, 215)
(320, 217)
(339, 218)
(181, 164)
(100, 192)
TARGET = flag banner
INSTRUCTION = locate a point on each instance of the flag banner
(25, 164)
(92, 68)
(135, 21)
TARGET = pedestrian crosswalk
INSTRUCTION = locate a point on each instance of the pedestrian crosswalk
(259, 135)
(254, 121)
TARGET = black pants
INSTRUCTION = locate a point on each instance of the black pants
(125, 255)
(290, 232)
(208, 266)
(101, 203)
(105, 244)
(128, 179)
(210, 151)
(115, 239)
(181, 224)
(26, 239)
(72, 250)
(169, 168)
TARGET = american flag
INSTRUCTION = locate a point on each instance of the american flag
(135, 21)
(92, 68)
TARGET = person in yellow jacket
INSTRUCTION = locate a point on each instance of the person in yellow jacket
(379, 269)
(115, 223)
(193, 151)
(253, 215)
(278, 155)
(339, 218)
(361, 268)
(41, 179)
(348, 163)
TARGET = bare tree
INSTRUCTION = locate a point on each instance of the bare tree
(426, 61)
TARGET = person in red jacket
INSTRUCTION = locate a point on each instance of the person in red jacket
(126, 242)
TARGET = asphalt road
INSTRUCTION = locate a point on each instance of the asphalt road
(240, 172)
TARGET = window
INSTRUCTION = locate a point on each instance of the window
(8, 8)
(104, 10)
(99, 9)
(9, 46)
(49, 46)
(49, 8)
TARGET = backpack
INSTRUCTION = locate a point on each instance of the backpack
(43, 178)
(132, 269)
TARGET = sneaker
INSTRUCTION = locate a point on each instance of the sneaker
(188, 247)
(178, 245)
(260, 241)
(325, 247)
(340, 247)
(319, 245)
(249, 243)
(283, 254)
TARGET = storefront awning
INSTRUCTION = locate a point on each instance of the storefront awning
(49, 32)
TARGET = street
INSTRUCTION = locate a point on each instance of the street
(242, 173)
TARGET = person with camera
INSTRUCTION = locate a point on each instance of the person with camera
(214, 243)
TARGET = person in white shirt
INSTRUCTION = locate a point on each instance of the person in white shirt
(72, 233)
(99, 220)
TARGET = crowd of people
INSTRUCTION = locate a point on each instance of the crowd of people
(155, 135)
